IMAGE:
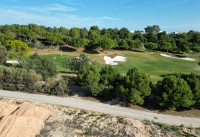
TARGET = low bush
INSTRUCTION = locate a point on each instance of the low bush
(18, 79)
(76, 63)
(3, 55)
(40, 65)
(56, 88)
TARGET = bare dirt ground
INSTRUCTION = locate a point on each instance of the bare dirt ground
(20, 120)
(71, 122)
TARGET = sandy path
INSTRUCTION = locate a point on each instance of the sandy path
(105, 108)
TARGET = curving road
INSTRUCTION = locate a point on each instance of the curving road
(105, 108)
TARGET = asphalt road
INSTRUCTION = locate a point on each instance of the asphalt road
(105, 108)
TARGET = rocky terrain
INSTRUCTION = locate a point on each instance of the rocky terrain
(61, 121)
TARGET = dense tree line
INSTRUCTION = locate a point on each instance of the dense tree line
(153, 39)
(108, 83)
(174, 92)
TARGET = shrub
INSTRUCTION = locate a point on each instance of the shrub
(18, 79)
(3, 55)
(58, 88)
(42, 66)
(76, 63)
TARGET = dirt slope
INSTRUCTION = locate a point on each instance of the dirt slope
(19, 126)
(28, 120)
(21, 120)
(7, 108)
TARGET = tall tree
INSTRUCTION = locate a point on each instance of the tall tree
(182, 45)
(54, 38)
(196, 48)
(89, 78)
(166, 45)
(173, 92)
(84, 33)
(123, 45)
(63, 31)
(110, 79)
(133, 44)
(152, 29)
(151, 37)
(107, 43)
(150, 45)
(78, 42)
(124, 33)
(74, 32)
(193, 80)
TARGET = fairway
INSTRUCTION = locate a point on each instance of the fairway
(151, 63)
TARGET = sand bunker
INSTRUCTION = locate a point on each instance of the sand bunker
(174, 56)
(12, 62)
(21, 120)
(113, 61)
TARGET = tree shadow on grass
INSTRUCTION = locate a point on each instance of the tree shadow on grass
(67, 49)
(90, 51)
(170, 74)
(67, 72)
(135, 50)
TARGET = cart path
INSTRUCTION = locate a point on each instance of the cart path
(104, 108)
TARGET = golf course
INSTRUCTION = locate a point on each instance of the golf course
(152, 63)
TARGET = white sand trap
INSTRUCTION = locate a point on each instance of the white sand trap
(12, 62)
(110, 61)
(174, 56)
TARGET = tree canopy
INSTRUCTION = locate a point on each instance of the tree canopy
(173, 92)
(17, 49)
(135, 86)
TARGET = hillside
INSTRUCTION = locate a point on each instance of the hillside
(65, 121)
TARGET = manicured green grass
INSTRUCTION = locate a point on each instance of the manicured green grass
(59, 61)
(153, 64)
(156, 65)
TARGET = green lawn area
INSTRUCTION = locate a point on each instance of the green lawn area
(153, 64)
(156, 65)
(59, 61)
